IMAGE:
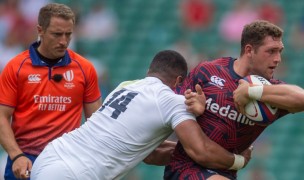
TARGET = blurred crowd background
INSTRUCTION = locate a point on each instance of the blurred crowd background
(121, 37)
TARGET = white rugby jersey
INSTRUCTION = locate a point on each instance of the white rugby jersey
(133, 120)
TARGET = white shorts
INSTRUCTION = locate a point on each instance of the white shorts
(49, 166)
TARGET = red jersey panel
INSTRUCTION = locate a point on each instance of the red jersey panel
(46, 106)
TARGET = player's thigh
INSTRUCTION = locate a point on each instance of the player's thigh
(49, 166)
(195, 173)
(217, 177)
(55, 171)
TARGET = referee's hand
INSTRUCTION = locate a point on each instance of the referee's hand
(21, 167)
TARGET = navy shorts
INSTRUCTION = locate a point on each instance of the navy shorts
(8, 174)
(193, 173)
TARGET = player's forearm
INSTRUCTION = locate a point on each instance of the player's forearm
(202, 149)
(288, 97)
(7, 139)
(211, 155)
(90, 108)
(216, 157)
(161, 155)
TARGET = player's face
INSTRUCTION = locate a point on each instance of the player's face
(56, 38)
(267, 57)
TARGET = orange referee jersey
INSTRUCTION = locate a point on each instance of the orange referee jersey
(48, 101)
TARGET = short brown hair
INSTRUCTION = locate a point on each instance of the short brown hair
(255, 33)
(54, 10)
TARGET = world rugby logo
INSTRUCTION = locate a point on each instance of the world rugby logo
(68, 75)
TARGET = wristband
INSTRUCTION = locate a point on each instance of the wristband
(255, 92)
(239, 162)
(16, 157)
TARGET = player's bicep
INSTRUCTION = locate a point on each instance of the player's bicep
(8, 87)
(6, 112)
(191, 136)
(90, 108)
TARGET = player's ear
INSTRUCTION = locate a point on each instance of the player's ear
(39, 29)
(249, 50)
(178, 81)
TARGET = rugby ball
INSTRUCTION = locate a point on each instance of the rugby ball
(257, 111)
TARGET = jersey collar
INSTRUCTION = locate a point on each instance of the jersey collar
(36, 61)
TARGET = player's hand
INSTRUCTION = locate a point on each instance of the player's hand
(195, 101)
(22, 167)
(247, 155)
(240, 96)
(161, 156)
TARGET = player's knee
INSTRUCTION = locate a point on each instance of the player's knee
(217, 177)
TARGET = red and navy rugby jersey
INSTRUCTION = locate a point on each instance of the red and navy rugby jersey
(221, 122)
